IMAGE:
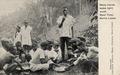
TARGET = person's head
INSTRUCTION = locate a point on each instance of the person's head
(25, 23)
(28, 57)
(82, 39)
(44, 45)
(80, 43)
(34, 46)
(6, 43)
(18, 44)
(65, 11)
(55, 45)
(49, 47)
(72, 42)
(13, 50)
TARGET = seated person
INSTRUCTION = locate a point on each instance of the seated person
(80, 48)
(34, 48)
(73, 43)
(82, 39)
(7, 59)
(71, 48)
(22, 54)
(56, 48)
(70, 52)
(87, 61)
(38, 62)
(49, 54)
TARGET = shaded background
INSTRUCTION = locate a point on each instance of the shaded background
(42, 16)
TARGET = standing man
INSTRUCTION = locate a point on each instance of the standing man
(17, 35)
(26, 35)
(65, 23)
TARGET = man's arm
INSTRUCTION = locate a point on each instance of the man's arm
(60, 21)
(72, 28)
(61, 24)
(43, 60)
(72, 32)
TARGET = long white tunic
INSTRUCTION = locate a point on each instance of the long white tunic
(17, 38)
(26, 37)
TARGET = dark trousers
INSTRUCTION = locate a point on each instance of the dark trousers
(63, 41)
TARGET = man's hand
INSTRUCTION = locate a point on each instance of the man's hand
(63, 19)
(60, 25)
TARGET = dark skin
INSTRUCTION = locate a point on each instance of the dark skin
(63, 19)
(26, 24)
(56, 48)
(20, 49)
(44, 60)
(34, 48)
(17, 30)
(11, 61)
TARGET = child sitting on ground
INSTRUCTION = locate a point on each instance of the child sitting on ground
(8, 60)
(22, 54)
(89, 62)
(38, 61)
(72, 47)
(57, 50)
(77, 46)
(34, 48)
(49, 54)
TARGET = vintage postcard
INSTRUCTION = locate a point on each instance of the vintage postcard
(59, 37)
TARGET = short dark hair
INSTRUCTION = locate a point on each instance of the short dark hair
(18, 43)
(49, 47)
(44, 44)
(65, 8)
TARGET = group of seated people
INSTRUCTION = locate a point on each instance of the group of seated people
(45, 55)
(40, 57)
(83, 54)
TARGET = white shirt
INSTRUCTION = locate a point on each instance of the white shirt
(59, 54)
(32, 53)
(2, 51)
(65, 30)
(39, 53)
(17, 38)
(50, 54)
(26, 37)
(4, 56)
(92, 54)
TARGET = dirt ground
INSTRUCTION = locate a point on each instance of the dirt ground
(73, 71)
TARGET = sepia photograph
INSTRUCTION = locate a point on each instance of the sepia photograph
(49, 37)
